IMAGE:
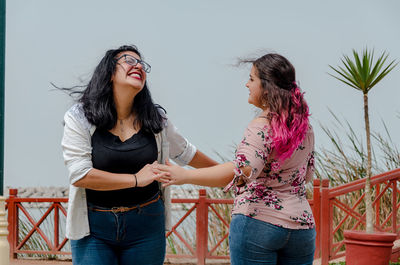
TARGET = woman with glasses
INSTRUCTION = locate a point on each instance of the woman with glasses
(117, 212)
(272, 222)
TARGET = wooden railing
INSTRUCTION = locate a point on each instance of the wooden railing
(327, 204)
(203, 206)
(342, 208)
(18, 241)
(53, 246)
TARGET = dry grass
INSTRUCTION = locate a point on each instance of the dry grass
(346, 161)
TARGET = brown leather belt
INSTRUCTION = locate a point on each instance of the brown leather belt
(126, 209)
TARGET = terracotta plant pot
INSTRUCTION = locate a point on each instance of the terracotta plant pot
(363, 248)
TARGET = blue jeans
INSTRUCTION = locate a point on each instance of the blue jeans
(133, 237)
(252, 241)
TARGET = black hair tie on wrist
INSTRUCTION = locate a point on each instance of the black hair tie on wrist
(135, 180)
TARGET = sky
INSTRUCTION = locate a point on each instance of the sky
(192, 47)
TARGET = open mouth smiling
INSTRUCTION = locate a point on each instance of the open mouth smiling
(136, 75)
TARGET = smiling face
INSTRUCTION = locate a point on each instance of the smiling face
(128, 75)
(255, 88)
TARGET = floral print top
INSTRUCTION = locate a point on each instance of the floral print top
(274, 192)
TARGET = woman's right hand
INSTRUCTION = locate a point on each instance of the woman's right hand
(148, 174)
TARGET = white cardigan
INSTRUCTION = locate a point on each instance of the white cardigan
(77, 152)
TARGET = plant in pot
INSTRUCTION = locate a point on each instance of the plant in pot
(361, 73)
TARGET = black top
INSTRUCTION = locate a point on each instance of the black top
(110, 154)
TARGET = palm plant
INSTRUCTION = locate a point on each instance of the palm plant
(363, 74)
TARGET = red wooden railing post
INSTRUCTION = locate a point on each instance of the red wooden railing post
(201, 228)
(377, 205)
(317, 215)
(56, 226)
(12, 222)
(394, 206)
(325, 225)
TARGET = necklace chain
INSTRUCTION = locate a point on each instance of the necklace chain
(121, 127)
(121, 123)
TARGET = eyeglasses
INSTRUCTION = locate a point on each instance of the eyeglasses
(129, 59)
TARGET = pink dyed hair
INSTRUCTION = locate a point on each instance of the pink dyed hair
(288, 111)
(289, 127)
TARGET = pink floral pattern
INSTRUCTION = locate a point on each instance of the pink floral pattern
(275, 191)
(275, 166)
(258, 192)
(306, 219)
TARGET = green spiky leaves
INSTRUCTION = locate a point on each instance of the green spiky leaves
(361, 72)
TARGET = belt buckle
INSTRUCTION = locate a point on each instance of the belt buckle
(119, 209)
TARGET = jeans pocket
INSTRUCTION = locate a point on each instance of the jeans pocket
(103, 225)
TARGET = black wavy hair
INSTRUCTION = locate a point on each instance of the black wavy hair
(98, 102)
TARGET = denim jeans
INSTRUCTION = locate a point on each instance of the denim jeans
(133, 237)
(252, 241)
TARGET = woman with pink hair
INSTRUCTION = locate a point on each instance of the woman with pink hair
(272, 221)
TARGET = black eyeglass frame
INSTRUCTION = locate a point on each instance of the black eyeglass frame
(146, 66)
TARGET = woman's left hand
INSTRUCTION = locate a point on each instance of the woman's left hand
(176, 175)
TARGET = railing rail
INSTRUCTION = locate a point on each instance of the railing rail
(15, 207)
(201, 205)
(352, 217)
(326, 201)
(360, 183)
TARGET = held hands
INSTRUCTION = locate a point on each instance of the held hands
(170, 174)
(150, 173)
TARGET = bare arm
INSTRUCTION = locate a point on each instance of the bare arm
(215, 176)
(97, 179)
(102, 180)
(254, 142)
(201, 160)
